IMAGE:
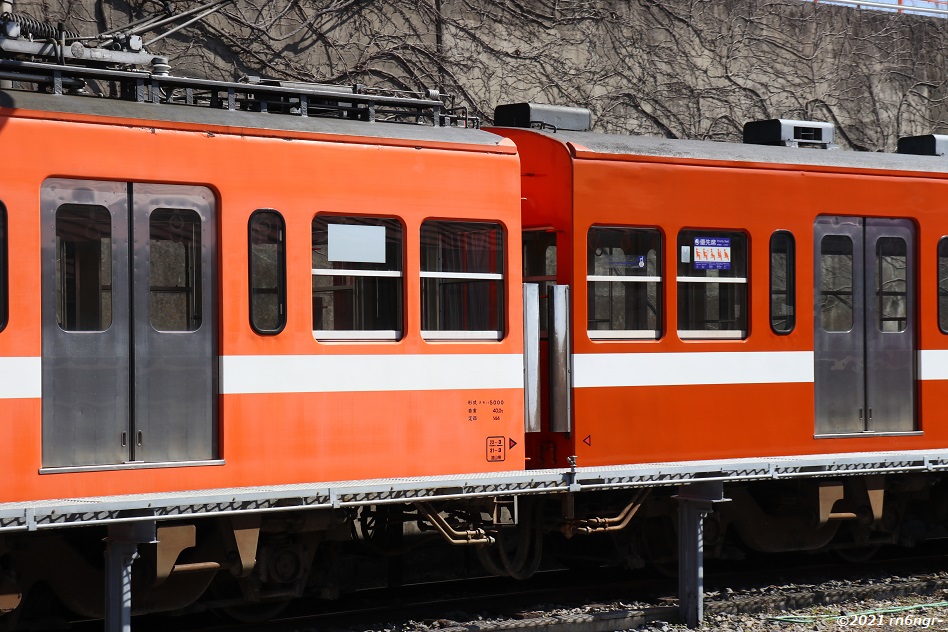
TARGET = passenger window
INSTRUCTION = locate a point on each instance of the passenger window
(4, 294)
(267, 272)
(462, 281)
(782, 282)
(539, 266)
(712, 284)
(836, 285)
(943, 284)
(624, 283)
(83, 267)
(891, 290)
(174, 273)
(357, 278)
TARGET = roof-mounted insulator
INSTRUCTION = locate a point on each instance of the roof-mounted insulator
(549, 117)
(28, 39)
(160, 67)
(926, 145)
(788, 133)
(22, 25)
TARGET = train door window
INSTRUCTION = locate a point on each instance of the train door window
(4, 309)
(624, 283)
(357, 278)
(782, 282)
(539, 266)
(943, 284)
(836, 283)
(83, 267)
(891, 290)
(175, 270)
(712, 284)
(267, 235)
(462, 281)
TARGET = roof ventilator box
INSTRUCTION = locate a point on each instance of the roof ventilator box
(544, 117)
(789, 133)
(925, 145)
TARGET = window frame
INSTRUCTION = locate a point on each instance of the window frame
(716, 233)
(659, 279)
(367, 335)
(498, 277)
(69, 318)
(825, 291)
(4, 268)
(548, 278)
(882, 309)
(790, 291)
(161, 219)
(281, 295)
(942, 312)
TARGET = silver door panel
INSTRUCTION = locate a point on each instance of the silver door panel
(115, 387)
(890, 354)
(175, 391)
(865, 373)
(85, 372)
(839, 388)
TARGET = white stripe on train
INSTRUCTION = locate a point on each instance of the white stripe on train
(360, 373)
(21, 377)
(594, 370)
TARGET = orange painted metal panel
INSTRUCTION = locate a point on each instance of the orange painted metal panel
(681, 423)
(294, 438)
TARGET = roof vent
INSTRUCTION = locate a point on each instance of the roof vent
(549, 117)
(789, 133)
(927, 145)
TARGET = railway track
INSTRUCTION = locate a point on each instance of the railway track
(603, 600)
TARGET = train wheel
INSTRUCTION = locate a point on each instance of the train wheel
(252, 612)
(659, 543)
(856, 554)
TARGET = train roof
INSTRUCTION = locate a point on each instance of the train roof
(586, 144)
(113, 75)
(245, 121)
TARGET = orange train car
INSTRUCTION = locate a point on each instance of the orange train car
(350, 294)
(735, 301)
(230, 287)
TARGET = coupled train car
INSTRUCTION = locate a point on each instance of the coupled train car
(251, 332)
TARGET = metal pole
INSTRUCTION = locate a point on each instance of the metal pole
(121, 551)
(695, 501)
(691, 515)
(119, 556)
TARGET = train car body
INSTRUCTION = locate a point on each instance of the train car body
(226, 307)
(113, 389)
(738, 301)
